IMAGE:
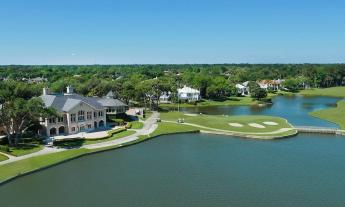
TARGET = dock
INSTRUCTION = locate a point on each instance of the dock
(319, 130)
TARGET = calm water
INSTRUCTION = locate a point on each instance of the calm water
(194, 170)
(201, 170)
(293, 108)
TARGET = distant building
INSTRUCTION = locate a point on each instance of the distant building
(37, 80)
(78, 113)
(243, 88)
(189, 94)
(165, 98)
(271, 84)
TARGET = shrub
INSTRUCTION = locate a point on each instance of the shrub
(128, 125)
(4, 148)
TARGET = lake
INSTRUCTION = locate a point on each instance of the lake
(200, 170)
(293, 108)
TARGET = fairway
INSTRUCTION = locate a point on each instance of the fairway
(338, 92)
(335, 115)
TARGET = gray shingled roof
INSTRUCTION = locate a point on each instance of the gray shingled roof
(64, 103)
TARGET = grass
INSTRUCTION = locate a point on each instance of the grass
(338, 92)
(222, 122)
(147, 115)
(3, 157)
(19, 167)
(24, 149)
(137, 125)
(335, 115)
(236, 101)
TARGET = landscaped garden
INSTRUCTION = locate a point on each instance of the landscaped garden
(21, 149)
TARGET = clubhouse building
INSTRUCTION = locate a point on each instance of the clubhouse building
(78, 113)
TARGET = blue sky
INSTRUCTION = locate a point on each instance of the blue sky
(171, 31)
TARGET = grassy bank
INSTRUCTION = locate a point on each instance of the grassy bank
(338, 92)
(335, 115)
(137, 125)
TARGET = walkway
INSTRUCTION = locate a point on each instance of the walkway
(150, 125)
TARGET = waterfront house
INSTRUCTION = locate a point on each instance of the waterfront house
(189, 94)
(243, 88)
(271, 84)
(78, 113)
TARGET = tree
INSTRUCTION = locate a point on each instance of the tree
(256, 91)
(17, 115)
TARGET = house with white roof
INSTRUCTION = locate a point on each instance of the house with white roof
(165, 97)
(78, 113)
(243, 88)
(188, 93)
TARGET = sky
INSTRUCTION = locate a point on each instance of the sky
(171, 31)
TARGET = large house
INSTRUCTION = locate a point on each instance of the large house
(243, 88)
(78, 113)
(271, 84)
(189, 94)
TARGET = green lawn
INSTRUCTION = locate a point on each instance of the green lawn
(147, 115)
(222, 122)
(335, 115)
(3, 157)
(24, 149)
(331, 92)
(137, 125)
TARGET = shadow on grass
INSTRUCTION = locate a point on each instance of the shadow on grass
(68, 144)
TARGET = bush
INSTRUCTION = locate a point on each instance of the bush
(128, 125)
(4, 148)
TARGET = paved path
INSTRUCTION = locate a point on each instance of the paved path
(149, 126)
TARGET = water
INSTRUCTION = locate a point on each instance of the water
(293, 108)
(194, 170)
(201, 170)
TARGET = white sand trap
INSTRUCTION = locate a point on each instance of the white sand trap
(191, 114)
(235, 124)
(257, 125)
(270, 123)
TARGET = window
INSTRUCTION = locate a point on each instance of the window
(52, 120)
(82, 128)
(100, 113)
(73, 129)
(89, 115)
(73, 118)
(89, 126)
(60, 119)
(81, 115)
(95, 114)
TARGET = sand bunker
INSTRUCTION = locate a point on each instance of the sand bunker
(256, 125)
(270, 123)
(235, 125)
(191, 114)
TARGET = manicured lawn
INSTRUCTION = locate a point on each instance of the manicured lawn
(30, 164)
(24, 149)
(335, 115)
(137, 125)
(331, 92)
(147, 115)
(3, 157)
(235, 101)
(222, 122)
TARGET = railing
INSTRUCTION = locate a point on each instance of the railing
(321, 130)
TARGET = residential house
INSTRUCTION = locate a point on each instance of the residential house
(78, 113)
(189, 94)
(271, 84)
(243, 88)
(165, 98)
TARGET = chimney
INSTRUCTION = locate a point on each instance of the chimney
(70, 90)
(46, 91)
